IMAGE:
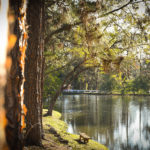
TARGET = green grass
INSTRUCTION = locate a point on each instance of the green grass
(61, 127)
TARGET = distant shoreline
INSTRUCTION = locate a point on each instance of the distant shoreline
(76, 93)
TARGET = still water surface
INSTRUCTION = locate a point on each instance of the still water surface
(120, 123)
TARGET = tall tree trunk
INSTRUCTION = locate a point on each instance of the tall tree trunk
(12, 95)
(33, 72)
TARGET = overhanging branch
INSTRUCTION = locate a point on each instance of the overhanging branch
(112, 11)
(64, 27)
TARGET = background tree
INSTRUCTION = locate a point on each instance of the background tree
(97, 33)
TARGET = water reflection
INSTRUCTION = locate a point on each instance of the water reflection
(120, 123)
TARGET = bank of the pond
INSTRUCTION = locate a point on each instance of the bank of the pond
(62, 137)
(106, 94)
(56, 136)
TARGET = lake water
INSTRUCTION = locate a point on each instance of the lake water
(120, 123)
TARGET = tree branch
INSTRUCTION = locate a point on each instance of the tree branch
(112, 11)
(57, 69)
(130, 2)
(64, 27)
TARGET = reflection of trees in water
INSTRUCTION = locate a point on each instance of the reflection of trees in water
(140, 116)
(130, 147)
(146, 130)
(125, 115)
(111, 120)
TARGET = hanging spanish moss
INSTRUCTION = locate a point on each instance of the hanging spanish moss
(106, 65)
(117, 62)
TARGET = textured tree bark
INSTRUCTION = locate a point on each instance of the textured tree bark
(33, 72)
(53, 101)
(42, 87)
(42, 21)
(12, 93)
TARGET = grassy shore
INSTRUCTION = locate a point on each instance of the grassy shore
(52, 141)
(61, 129)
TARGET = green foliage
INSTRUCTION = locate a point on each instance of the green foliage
(141, 84)
(108, 83)
(51, 83)
(84, 35)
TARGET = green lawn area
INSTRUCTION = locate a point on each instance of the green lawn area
(61, 127)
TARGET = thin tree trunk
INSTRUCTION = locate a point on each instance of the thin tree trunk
(53, 101)
(33, 73)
